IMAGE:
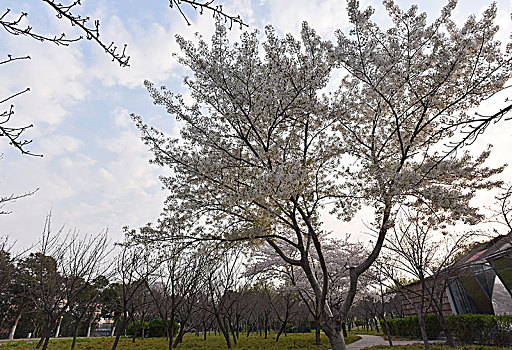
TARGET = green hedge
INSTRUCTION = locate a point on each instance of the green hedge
(153, 329)
(481, 329)
(410, 327)
(466, 328)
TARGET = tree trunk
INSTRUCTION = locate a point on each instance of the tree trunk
(45, 344)
(40, 342)
(423, 330)
(233, 333)
(318, 341)
(265, 325)
(142, 327)
(114, 346)
(344, 329)
(334, 334)
(224, 330)
(113, 330)
(13, 329)
(442, 322)
(388, 331)
(75, 334)
(44, 337)
(57, 332)
(376, 325)
(179, 338)
(283, 326)
(170, 332)
(89, 329)
(118, 333)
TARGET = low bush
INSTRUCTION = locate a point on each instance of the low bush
(410, 327)
(481, 329)
(465, 328)
(135, 328)
(152, 329)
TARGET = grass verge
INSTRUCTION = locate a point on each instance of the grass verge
(190, 341)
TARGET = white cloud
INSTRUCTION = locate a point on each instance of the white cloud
(55, 76)
(149, 46)
(324, 16)
(56, 145)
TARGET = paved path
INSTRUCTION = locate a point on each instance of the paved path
(373, 340)
(31, 340)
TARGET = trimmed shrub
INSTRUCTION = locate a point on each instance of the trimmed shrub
(135, 327)
(409, 326)
(465, 328)
(156, 328)
(481, 329)
(152, 329)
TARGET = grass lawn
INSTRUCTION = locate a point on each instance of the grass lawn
(190, 341)
(361, 330)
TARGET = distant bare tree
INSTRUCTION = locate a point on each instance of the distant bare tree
(84, 269)
(129, 271)
(503, 207)
(413, 251)
(224, 287)
(59, 271)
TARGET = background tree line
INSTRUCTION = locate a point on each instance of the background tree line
(67, 282)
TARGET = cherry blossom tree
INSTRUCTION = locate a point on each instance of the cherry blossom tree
(262, 152)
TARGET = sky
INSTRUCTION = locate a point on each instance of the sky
(95, 174)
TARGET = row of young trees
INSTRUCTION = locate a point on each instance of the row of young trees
(66, 282)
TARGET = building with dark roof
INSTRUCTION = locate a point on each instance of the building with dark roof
(480, 282)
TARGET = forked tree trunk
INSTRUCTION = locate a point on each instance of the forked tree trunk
(283, 326)
(40, 342)
(334, 334)
(45, 337)
(45, 344)
(179, 338)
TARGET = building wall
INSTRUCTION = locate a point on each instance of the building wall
(412, 294)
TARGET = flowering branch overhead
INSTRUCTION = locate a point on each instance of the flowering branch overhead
(217, 10)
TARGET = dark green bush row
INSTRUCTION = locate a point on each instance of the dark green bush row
(481, 329)
(410, 327)
(152, 329)
(466, 328)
